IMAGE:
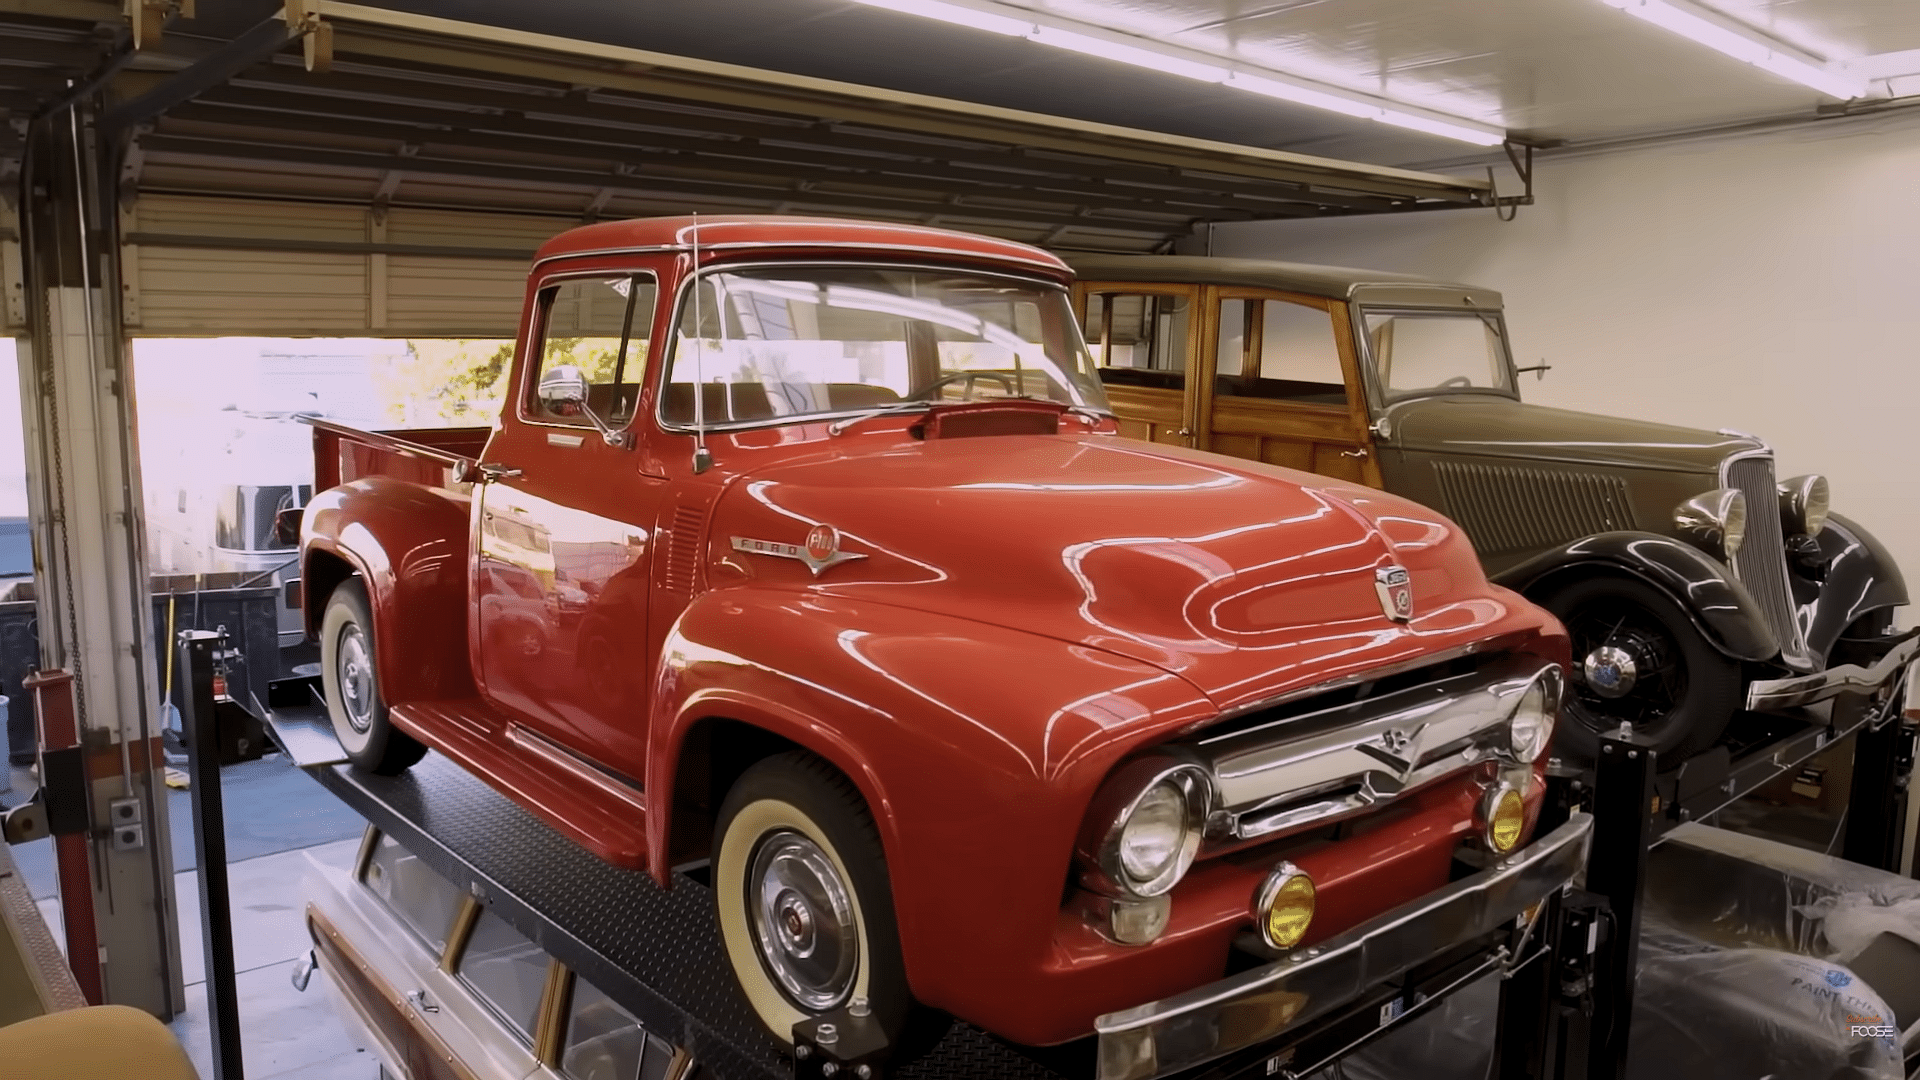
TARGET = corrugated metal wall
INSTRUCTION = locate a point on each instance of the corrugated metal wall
(208, 267)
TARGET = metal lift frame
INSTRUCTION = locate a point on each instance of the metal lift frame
(1564, 1005)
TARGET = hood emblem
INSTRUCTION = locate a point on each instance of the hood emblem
(820, 552)
(1395, 587)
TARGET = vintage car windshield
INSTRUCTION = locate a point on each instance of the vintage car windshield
(1415, 353)
(779, 343)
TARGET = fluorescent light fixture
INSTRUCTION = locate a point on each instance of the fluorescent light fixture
(1445, 128)
(954, 13)
(1745, 44)
(1128, 54)
(1182, 62)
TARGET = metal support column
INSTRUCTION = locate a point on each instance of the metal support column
(1875, 819)
(1623, 813)
(89, 547)
(201, 724)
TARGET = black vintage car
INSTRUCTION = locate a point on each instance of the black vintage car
(1693, 582)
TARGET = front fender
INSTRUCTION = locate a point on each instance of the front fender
(1725, 612)
(409, 546)
(1861, 578)
(977, 748)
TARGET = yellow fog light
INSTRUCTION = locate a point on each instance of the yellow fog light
(1283, 907)
(1505, 815)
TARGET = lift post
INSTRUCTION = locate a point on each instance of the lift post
(1624, 807)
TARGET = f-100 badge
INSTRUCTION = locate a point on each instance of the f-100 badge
(820, 552)
(1395, 587)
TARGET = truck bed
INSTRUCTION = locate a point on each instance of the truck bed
(434, 457)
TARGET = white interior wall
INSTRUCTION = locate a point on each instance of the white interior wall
(1769, 283)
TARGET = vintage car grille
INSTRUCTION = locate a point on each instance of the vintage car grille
(1761, 563)
(1313, 767)
(1507, 508)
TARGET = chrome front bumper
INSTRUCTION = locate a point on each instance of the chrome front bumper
(1255, 1006)
(1765, 694)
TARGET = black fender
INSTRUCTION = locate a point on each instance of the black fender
(1861, 578)
(1724, 611)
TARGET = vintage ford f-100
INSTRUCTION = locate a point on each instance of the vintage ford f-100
(811, 548)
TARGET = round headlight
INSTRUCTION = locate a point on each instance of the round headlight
(1803, 504)
(1283, 908)
(1530, 729)
(1146, 826)
(1504, 817)
(1150, 840)
(1717, 520)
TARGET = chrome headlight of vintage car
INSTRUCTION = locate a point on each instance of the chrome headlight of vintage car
(1145, 827)
(1530, 728)
(1803, 504)
(1717, 520)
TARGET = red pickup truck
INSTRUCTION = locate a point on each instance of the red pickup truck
(810, 548)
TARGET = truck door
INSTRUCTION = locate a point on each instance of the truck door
(564, 527)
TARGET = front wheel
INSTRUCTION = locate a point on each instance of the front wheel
(804, 903)
(1639, 660)
(354, 704)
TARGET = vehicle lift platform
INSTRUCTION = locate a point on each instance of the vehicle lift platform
(1565, 996)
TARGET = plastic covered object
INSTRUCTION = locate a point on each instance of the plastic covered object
(1744, 974)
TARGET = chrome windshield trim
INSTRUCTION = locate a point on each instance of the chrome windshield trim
(1347, 759)
(1254, 1006)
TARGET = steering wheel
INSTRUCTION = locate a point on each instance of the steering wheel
(1457, 380)
(968, 377)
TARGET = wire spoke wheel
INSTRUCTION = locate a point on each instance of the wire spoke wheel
(1639, 659)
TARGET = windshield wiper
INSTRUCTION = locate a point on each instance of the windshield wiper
(839, 426)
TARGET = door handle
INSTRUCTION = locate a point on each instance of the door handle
(418, 999)
(492, 470)
(1360, 453)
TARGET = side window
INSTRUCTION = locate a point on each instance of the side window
(424, 900)
(601, 326)
(506, 970)
(1279, 350)
(605, 1042)
(1139, 339)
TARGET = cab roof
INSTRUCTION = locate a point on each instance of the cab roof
(732, 233)
(1306, 279)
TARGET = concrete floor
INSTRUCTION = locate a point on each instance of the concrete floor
(280, 824)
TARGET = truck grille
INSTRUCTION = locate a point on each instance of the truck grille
(1761, 563)
(1507, 508)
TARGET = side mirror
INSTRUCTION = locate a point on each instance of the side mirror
(286, 526)
(563, 389)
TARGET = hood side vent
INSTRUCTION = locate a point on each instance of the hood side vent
(1505, 508)
(683, 549)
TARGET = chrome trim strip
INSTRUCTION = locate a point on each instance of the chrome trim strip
(1053, 267)
(1765, 694)
(1363, 753)
(1254, 1006)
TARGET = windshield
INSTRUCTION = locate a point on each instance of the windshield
(1415, 353)
(779, 343)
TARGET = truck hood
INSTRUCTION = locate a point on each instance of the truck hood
(1245, 579)
(1485, 425)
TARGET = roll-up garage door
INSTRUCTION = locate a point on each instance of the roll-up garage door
(213, 267)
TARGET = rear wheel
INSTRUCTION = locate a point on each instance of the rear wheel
(804, 903)
(354, 704)
(1639, 660)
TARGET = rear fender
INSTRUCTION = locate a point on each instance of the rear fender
(977, 749)
(409, 546)
(1724, 611)
(1861, 578)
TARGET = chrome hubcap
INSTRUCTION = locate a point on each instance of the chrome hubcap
(355, 669)
(803, 922)
(1611, 671)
